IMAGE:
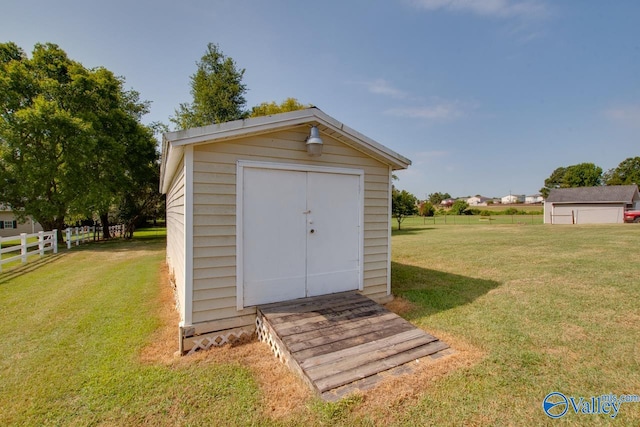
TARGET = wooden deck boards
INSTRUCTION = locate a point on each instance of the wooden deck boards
(345, 339)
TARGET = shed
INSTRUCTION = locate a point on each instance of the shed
(590, 205)
(253, 218)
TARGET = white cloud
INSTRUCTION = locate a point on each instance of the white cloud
(382, 87)
(627, 114)
(495, 8)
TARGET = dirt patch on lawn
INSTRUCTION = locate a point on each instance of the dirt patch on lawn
(284, 394)
(394, 394)
(401, 306)
(163, 343)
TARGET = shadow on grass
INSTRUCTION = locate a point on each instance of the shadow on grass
(144, 241)
(22, 269)
(435, 291)
(410, 230)
(141, 241)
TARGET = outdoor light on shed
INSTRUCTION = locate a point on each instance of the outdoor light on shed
(314, 143)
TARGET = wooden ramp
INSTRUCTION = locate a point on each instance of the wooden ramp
(342, 342)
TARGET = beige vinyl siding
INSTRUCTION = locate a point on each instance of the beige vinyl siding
(215, 208)
(175, 234)
(583, 213)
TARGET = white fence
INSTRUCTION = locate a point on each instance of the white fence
(47, 241)
(84, 234)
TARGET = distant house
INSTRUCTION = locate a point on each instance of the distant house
(513, 198)
(590, 205)
(9, 225)
(535, 198)
(478, 200)
(447, 203)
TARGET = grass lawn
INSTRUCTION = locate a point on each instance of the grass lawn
(552, 308)
(73, 327)
(519, 206)
(87, 336)
(478, 220)
(31, 252)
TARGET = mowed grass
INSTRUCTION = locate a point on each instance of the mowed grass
(552, 308)
(73, 328)
(529, 310)
(477, 220)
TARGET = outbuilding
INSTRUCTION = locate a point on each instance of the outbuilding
(270, 209)
(590, 205)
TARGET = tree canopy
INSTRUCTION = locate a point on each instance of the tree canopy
(217, 91)
(268, 108)
(459, 207)
(580, 175)
(436, 198)
(426, 208)
(71, 141)
(627, 172)
(403, 204)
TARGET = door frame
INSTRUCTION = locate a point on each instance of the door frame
(241, 165)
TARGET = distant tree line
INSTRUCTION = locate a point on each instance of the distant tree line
(591, 175)
(579, 175)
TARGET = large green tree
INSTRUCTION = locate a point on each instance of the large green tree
(44, 142)
(403, 204)
(125, 158)
(217, 91)
(71, 143)
(580, 175)
(627, 172)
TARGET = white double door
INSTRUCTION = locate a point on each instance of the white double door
(300, 234)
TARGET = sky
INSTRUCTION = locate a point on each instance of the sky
(484, 97)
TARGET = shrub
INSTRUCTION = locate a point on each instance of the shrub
(427, 209)
(459, 207)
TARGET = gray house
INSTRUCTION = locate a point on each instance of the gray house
(590, 205)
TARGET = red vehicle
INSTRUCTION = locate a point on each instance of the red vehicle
(632, 216)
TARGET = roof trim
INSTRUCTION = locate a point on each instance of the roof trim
(173, 143)
(588, 202)
(594, 195)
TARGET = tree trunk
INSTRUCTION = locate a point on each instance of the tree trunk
(129, 229)
(104, 219)
(54, 224)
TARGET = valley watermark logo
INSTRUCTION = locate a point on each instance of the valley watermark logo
(556, 404)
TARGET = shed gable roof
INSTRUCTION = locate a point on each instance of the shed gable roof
(173, 143)
(604, 194)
